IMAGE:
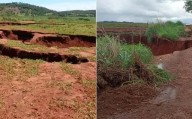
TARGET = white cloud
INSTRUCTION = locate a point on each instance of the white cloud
(141, 10)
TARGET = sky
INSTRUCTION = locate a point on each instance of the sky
(142, 10)
(60, 5)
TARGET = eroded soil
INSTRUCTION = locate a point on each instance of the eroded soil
(36, 89)
(174, 99)
(56, 91)
(48, 39)
(158, 46)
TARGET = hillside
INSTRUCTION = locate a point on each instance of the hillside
(18, 8)
(79, 13)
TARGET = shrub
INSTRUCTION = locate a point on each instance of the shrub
(168, 30)
(113, 53)
(120, 63)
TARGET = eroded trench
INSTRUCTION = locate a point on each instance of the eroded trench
(49, 40)
(158, 46)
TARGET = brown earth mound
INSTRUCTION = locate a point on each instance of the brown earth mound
(114, 101)
(49, 57)
(62, 41)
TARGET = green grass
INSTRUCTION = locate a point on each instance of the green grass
(120, 59)
(162, 76)
(112, 53)
(168, 30)
(48, 19)
(119, 24)
(60, 25)
(31, 47)
(19, 68)
(70, 28)
(67, 69)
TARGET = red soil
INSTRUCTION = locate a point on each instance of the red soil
(43, 97)
(50, 57)
(176, 104)
(173, 100)
(158, 46)
(63, 41)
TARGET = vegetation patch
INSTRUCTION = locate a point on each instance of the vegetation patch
(75, 22)
(169, 30)
(111, 24)
(31, 47)
(119, 64)
(19, 68)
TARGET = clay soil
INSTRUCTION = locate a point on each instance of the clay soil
(168, 101)
(55, 92)
(36, 89)
(158, 46)
(173, 100)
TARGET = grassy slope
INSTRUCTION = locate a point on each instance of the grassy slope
(74, 23)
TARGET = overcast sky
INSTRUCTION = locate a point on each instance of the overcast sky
(142, 10)
(60, 5)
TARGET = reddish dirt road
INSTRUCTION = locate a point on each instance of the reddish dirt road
(174, 99)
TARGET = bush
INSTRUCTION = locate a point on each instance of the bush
(113, 53)
(168, 30)
(120, 63)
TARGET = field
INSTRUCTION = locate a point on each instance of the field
(47, 67)
(60, 25)
(142, 75)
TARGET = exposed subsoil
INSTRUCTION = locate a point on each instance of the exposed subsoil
(49, 40)
(62, 41)
(169, 101)
(45, 96)
(174, 99)
(123, 99)
(49, 57)
(158, 46)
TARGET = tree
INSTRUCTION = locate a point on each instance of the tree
(188, 6)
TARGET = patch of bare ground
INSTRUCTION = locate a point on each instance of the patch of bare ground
(35, 89)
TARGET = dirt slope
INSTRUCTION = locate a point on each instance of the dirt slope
(174, 100)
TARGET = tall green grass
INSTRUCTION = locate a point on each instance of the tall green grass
(113, 53)
(121, 57)
(169, 30)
